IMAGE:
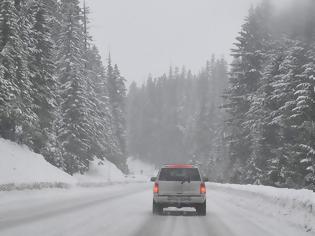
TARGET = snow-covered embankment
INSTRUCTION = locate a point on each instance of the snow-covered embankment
(296, 207)
(20, 169)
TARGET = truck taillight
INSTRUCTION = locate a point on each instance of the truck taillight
(156, 188)
(202, 188)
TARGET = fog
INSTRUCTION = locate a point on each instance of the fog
(220, 133)
(268, 102)
(147, 36)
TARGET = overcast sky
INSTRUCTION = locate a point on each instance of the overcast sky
(147, 36)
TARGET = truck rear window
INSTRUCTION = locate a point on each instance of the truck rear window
(179, 174)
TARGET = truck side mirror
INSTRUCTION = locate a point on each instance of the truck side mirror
(153, 179)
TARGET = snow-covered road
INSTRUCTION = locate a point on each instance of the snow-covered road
(125, 209)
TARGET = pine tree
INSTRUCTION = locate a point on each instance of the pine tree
(8, 87)
(134, 119)
(119, 107)
(17, 116)
(117, 96)
(284, 87)
(306, 109)
(42, 76)
(203, 129)
(303, 117)
(246, 73)
(74, 124)
(104, 144)
(54, 93)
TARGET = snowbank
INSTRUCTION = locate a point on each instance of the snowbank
(297, 207)
(140, 169)
(20, 168)
(101, 172)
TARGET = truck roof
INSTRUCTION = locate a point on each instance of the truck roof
(179, 166)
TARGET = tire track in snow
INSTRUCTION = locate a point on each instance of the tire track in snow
(157, 225)
(178, 222)
(60, 210)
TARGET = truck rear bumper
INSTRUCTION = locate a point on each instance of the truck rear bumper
(179, 200)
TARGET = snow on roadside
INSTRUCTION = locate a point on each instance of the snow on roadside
(100, 172)
(104, 173)
(139, 169)
(21, 168)
(297, 207)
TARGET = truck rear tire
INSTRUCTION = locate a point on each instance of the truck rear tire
(157, 209)
(202, 209)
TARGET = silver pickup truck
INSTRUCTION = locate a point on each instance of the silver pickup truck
(179, 185)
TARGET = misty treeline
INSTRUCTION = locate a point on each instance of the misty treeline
(176, 118)
(56, 96)
(263, 131)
